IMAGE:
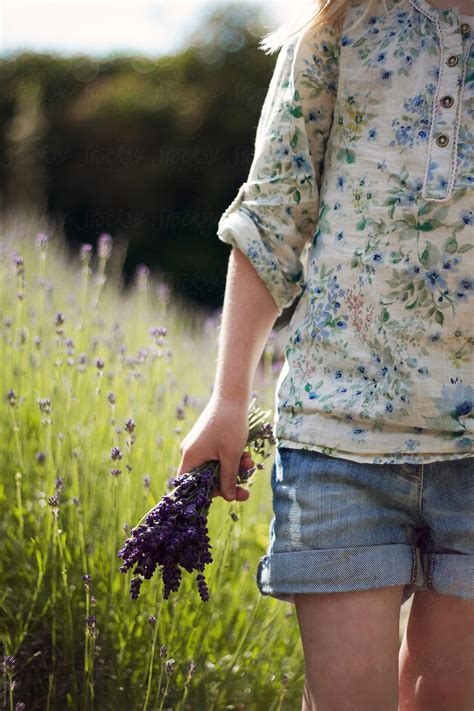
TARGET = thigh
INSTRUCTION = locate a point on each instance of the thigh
(437, 653)
(351, 645)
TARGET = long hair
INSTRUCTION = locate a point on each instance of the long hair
(315, 12)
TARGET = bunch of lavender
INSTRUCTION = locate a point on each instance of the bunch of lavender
(173, 534)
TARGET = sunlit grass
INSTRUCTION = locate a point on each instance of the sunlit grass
(80, 359)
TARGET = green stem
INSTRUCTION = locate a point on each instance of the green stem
(152, 656)
(165, 693)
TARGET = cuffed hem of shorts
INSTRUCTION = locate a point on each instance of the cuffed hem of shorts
(282, 575)
(451, 574)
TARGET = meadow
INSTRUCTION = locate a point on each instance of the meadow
(99, 386)
(88, 370)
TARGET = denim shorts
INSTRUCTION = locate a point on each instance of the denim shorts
(342, 525)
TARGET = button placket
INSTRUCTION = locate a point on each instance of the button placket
(441, 159)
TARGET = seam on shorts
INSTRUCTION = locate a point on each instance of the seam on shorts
(413, 564)
(429, 577)
(420, 488)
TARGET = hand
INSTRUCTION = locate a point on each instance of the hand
(220, 433)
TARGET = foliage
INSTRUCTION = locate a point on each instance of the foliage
(88, 371)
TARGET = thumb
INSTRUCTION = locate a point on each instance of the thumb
(229, 467)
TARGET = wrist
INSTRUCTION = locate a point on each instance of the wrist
(237, 398)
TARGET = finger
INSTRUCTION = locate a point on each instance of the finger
(241, 493)
(229, 465)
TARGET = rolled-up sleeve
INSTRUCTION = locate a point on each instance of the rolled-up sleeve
(275, 212)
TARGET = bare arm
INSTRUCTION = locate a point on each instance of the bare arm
(248, 315)
(221, 430)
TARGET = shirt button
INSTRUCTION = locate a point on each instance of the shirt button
(447, 101)
(452, 60)
(465, 28)
(442, 140)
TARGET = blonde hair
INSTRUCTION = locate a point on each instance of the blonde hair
(317, 12)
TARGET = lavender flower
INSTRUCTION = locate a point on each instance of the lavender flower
(44, 405)
(8, 664)
(41, 242)
(142, 273)
(173, 534)
(129, 425)
(85, 252)
(104, 246)
(115, 453)
(19, 263)
(169, 666)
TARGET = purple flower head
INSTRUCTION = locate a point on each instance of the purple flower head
(152, 620)
(158, 333)
(129, 425)
(169, 666)
(141, 274)
(44, 405)
(164, 292)
(11, 397)
(111, 398)
(59, 319)
(115, 472)
(104, 246)
(192, 669)
(100, 363)
(40, 457)
(85, 252)
(142, 270)
(8, 664)
(53, 500)
(41, 242)
(18, 263)
(173, 535)
(115, 453)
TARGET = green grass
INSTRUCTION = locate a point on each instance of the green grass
(243, 644)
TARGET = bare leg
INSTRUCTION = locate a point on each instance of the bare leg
(437, 654)
(351, 644)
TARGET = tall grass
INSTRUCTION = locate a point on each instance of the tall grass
(86, 367)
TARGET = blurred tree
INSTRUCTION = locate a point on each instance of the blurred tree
(152, 151)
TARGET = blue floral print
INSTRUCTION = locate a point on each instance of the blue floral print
(359, 201)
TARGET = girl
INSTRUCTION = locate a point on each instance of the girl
(358, 210)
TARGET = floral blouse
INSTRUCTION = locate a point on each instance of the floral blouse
(360, 201)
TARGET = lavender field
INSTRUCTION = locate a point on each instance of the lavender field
(99, 387)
